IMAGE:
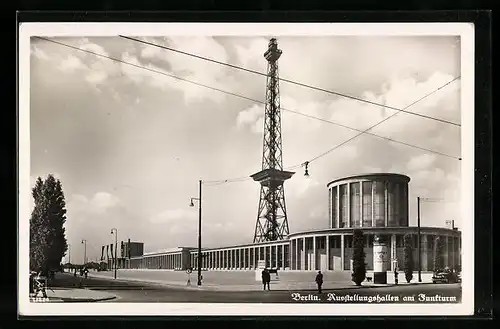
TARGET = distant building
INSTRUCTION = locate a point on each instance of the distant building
(377, 204)
(136, 249)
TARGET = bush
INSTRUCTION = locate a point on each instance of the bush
(408, 263)
(358, 258)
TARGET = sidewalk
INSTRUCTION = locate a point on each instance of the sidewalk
(245, 284)
(73, 295)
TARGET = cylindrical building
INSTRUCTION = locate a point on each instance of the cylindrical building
(373, 200)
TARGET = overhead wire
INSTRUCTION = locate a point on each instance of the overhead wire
(382, 121)
(366, 131)
(286, 80)
(243, 178)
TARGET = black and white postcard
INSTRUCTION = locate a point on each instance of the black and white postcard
(246, 169)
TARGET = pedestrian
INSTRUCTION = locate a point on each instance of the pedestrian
(266, 279)
(319, 281)
(396, 276)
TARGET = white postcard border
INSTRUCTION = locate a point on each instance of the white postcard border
(464, 30)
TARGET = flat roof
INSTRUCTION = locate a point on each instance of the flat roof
(423, 230)
(166, 251)
(372, 175)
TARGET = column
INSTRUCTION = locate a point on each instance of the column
(361, 203)
(327, 245)
(304, 255)
(373, 204)
(397, 205)
(337, 213)
(242, 258)
(283, 256)
(254, 257)
(296, 261)
(348, 205)
(453, 252)
(231, 259)
(446, 252)
(386, 202)
(434, 249)
(315, 254)
(276, 255)
(249, 262)
(342, 252)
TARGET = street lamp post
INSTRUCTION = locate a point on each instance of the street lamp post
(418, 242)
(69, 253)
(116, 247)
(199, 231)
(84, 251)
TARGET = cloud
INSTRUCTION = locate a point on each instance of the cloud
(71, 64)
(39, 53)
(186, 68)
(249, 115)
(130, 131)
(420, 162)
(103, 201)
(171, 216)
(300, 185)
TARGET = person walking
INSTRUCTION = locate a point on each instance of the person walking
(266, 279)
(319, 281)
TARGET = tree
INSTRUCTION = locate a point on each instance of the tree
(438, 256)
(38, 229)
(408, 263)
(358, 258)
(48, 243)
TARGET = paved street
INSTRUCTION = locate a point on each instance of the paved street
(147, 292)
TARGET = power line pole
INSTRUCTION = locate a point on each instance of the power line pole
(199, 260)
(116, 247)
(199, 237)
(418, 241)
(84, 251)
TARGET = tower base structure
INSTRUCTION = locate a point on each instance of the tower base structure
(272, 219)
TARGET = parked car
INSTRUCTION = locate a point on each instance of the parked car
(446, 276)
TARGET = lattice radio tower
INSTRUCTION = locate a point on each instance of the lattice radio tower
(272, 221)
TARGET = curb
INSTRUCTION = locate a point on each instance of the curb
(86, 300)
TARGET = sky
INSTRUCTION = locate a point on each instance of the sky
(129, 145)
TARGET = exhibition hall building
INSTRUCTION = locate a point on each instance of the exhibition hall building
(376, 204)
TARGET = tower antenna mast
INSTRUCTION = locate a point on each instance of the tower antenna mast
(272, 219)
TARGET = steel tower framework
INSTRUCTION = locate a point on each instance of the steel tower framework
(272, 220)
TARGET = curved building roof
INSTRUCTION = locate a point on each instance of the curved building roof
(372, 176)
